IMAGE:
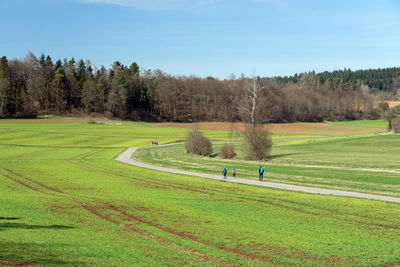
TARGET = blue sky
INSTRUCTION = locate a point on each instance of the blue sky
(207, 37)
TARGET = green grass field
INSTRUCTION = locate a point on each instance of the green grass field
(362, 162)
(65, 201)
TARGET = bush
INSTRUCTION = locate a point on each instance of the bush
(396, 125)
(257, 143)
(389, 115)
(197, 144)
(227, 151)
(108, 115)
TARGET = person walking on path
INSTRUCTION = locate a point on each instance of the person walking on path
(233, 173)
(224, 171)
(261, 174)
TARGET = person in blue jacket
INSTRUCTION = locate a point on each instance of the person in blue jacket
(224, 171)
(260, 173)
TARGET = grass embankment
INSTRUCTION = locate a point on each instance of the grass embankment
(64, 201)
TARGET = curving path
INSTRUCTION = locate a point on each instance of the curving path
(125, 157)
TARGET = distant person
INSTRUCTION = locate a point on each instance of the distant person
(224, 171)
(261, 174)
(233, 173)
(152, 143)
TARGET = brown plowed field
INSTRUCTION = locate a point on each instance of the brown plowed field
(391, 104)
(224, 126)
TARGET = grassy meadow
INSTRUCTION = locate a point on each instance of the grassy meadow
(328, 157)
(65, 201)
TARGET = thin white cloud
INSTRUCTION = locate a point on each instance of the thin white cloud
(172, 4)
(150, 4)
(280, 3)
(209, 2)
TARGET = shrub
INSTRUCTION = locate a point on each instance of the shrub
(257, 143)
(108, 115)
(227, 151)
(197, 144)
(396, 125)
(389, 115)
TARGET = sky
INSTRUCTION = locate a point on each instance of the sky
(207, 37)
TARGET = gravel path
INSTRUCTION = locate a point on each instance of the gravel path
(126, 158)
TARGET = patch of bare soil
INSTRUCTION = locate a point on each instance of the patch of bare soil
(11, 263)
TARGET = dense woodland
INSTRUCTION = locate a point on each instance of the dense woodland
(38, 86)
(379, 79)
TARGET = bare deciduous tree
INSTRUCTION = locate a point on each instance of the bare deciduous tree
(257, 143)
(249, 103)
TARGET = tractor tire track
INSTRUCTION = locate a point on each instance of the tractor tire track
(80, 156)
(142, 180)
(33, 181)
(137, 231)
(12, 263)
(152, 237)
(231, 194)
(98, 214)
(263, 201)
(94, 152)
(181, 235)
(88, 154)
(113, 207)
(21, 183)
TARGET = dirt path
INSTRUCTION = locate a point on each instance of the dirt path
(125, 157)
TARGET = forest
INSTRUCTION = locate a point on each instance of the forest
(387, 79)
(35, 86)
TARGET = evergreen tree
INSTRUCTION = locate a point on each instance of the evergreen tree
(59, 89)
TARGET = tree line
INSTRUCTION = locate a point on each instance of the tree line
(36, 86)
(386, 79)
